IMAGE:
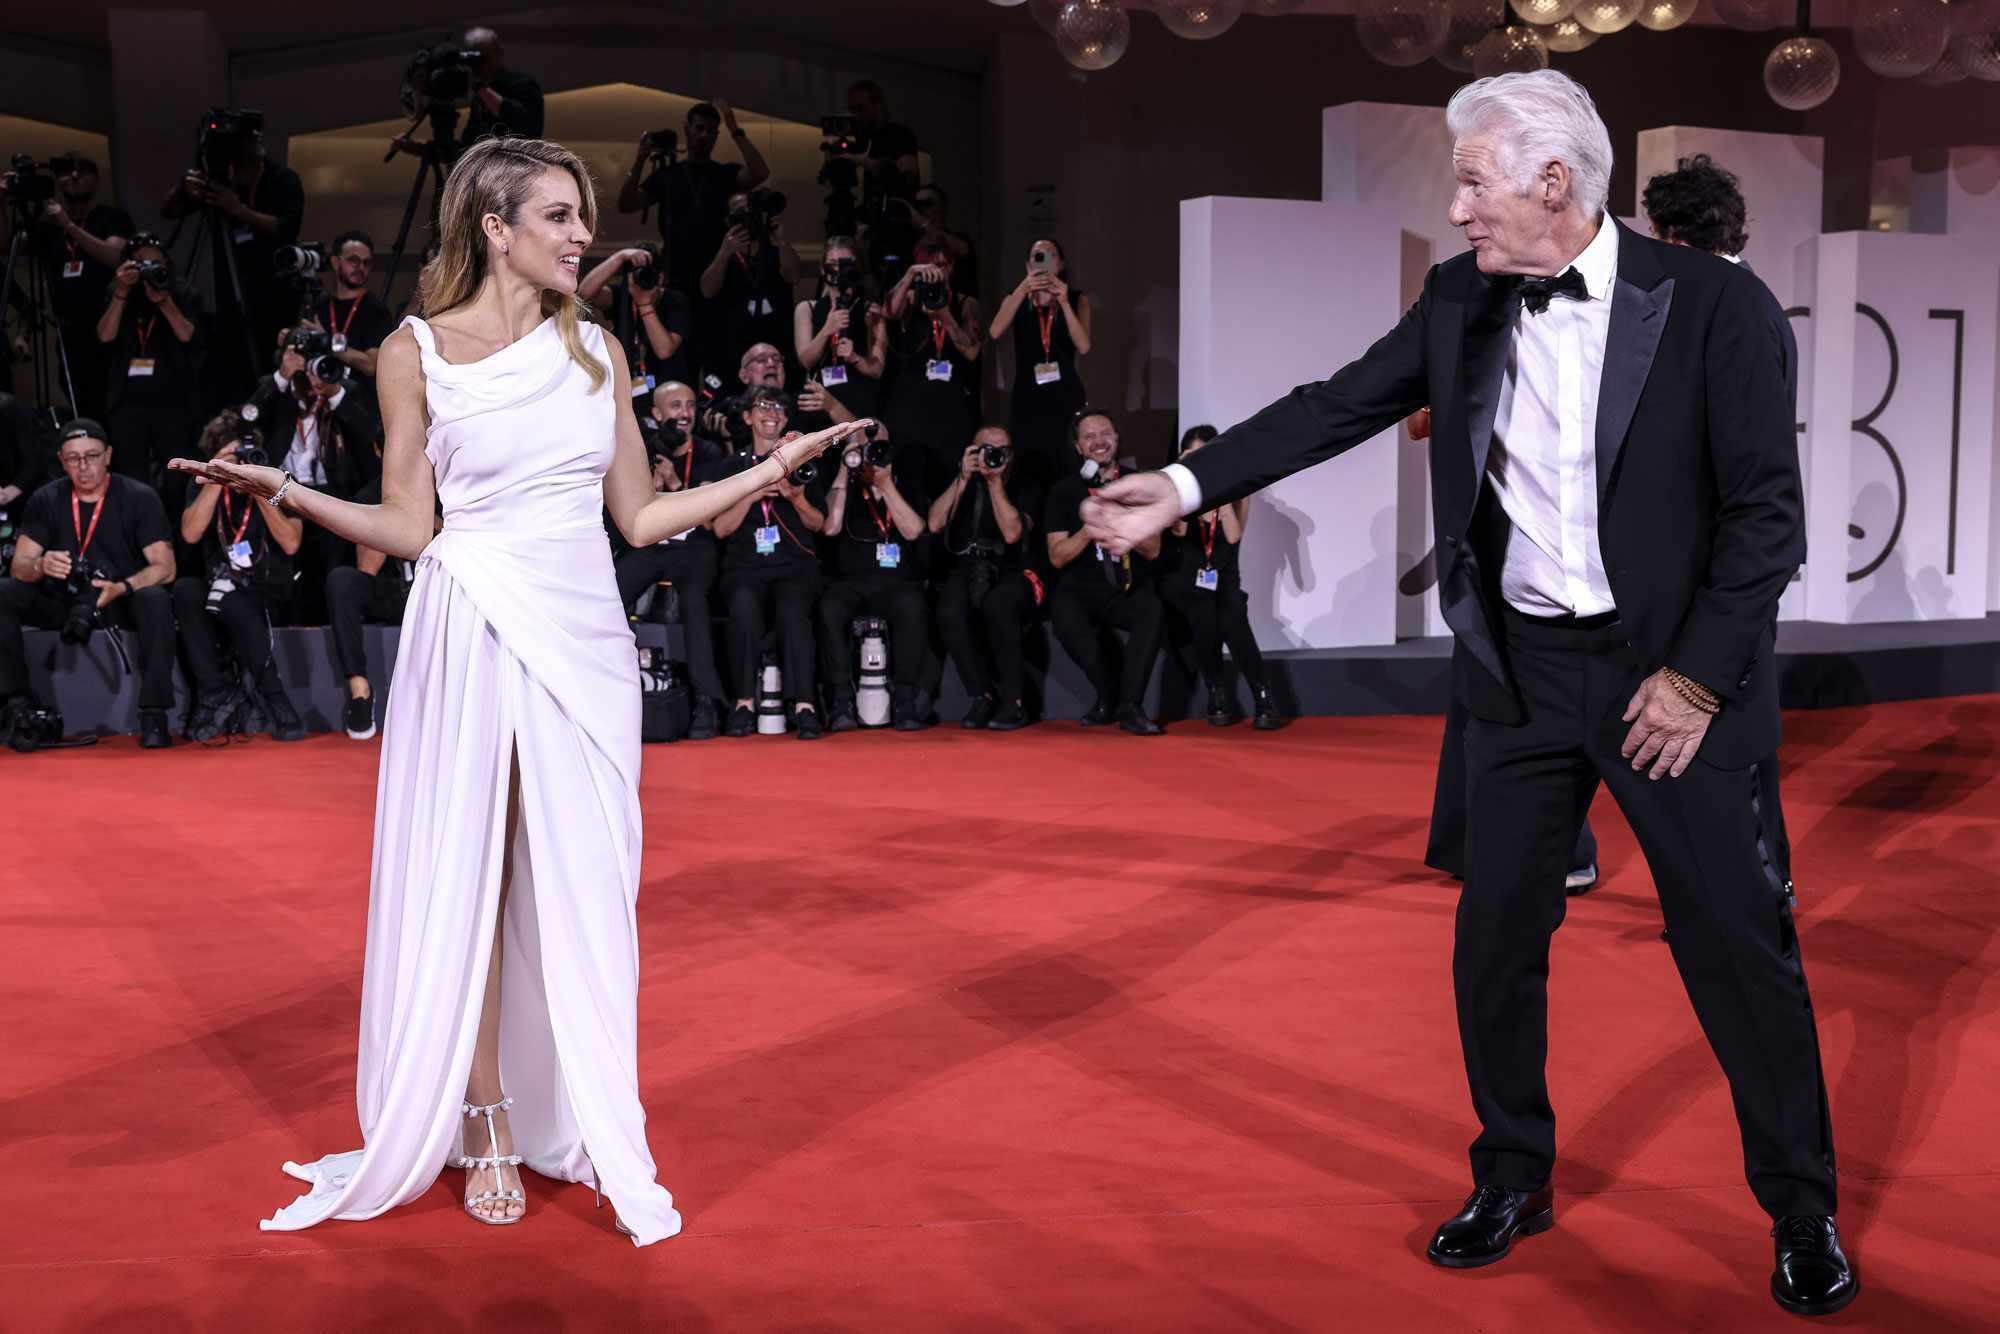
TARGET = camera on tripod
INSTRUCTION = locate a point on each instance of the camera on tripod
(839, 137)
(317, 347)
(760, 210)
(439, 78)
(29, 182)
(225, 132)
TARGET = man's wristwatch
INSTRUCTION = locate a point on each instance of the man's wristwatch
(127, 583)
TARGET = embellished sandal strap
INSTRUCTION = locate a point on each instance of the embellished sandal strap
(474, 1109)
(491, 1160)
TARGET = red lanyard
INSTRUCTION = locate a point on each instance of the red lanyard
(1208, 527)
(687, 473)
(767, 512)
(350, 314)
(144, 332)
(224, 519)
(76, 520)
(1047, 315)
(938, 338)
(881, 516)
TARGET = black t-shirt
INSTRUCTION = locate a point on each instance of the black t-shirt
(364, 320)
(973, 531)
(698, 462)
(755, 303)
(858, 392)
(1204, 545)
(937, 414)
(76, 281)
(237, 519)
(1064, 514)
(520, 114)
(147, 364)
(886, 144)
(795, 542)
(281, 193)
(133, 520)
(868, 526)
(693, 199)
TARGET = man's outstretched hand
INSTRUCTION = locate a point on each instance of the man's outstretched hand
(1120, 515)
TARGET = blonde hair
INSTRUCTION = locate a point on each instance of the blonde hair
(498, 176)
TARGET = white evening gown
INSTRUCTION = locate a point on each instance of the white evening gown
(513, 642)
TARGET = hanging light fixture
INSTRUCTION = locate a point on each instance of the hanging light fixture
(1543, 12)
(1567, 36)
(1403, 32)
(1093, 34)
(1802, 70)
(1045, 13)
(1199, 20)
(1975, 40)
(1664, 15)
(1513, 49)
(1604, 17)
(1900, 39)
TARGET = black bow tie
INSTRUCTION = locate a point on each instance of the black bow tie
(1537, 292)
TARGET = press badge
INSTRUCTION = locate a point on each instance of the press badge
(767, 540)
(73, 269)
(888, 555)
(833, 375)
(1207, 579)
(244, 236)
(937, 370)
(139, 366)
(239, 555)
(1047, 372)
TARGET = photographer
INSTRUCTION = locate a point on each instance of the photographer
(153, 358)
(688, 560)
(750, 280)
(770, 562)
(986, 518)
(933, 364)
(74, 569)
(875, 520)
(355, 320)
(258, 204)
(825, 330)
(693, 193)
(763, 367)
(887, 159)
(246, 551)
(372, 591)
(1054, 333)
(653, 320)
(934, 219)
(1096, 592)
(78, 242)
(1201, 582)
(505, 102)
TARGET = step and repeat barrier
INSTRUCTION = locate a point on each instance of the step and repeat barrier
(1898, 373)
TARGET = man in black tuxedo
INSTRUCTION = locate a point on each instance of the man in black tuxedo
(1615, 487)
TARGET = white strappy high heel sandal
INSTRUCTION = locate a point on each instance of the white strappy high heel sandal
(597, 1189)
(493, 1162)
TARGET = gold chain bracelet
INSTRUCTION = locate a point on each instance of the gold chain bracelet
(1693, 691)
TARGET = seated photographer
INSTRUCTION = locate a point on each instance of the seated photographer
(763, 367)
(1096, 592)
(688, 560)
(244, 586)
(354, 318)
(27, 455)
(372, 591)
(985, 519)
(79, 242)
(1201, 581)
(825, 330)
(934, 221)
(153, 360)
(875, 523)
(1051, 324)
(93, 549)
(652, 319)
(693, 193)
(751, 276)
(770, 573)
(933, 384)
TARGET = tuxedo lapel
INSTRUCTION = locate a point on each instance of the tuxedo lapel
(1489, 322)
(1640, 298)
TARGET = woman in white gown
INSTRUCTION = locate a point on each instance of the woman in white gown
(507, 809)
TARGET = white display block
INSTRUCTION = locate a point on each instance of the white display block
(1959, 196)
(1900, 426)
(1783, 181)
(1277, 293)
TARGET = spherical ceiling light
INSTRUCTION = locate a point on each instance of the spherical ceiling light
(1607, 16)
(1662, 15)
(1045, 13)
(1567, 37)
(1513, 49)
(1456, 53)
(1198, 20)
(1975, 41)
(1542, 12)
(1403, 32)
(1801, 72)
(1470, 21)
(1900, 39)
(1754, 15)
(1093, 34)
(1946, 71)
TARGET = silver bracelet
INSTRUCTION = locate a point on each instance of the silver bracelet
(278, 496)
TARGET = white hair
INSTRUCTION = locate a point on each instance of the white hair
(1537, 117)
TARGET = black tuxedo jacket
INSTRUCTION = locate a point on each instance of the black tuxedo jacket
(350, 457)
(1700, 517)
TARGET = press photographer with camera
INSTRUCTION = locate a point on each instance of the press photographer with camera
(354, 318)
(886, 156)
(933, 382)
(933, 206)
(840, 335)
(93, 550)
(751, 277)
(1201, 581)
(651, 318)
(763, 367)
(499, 100)
(1097, 593)
(371, 591)
(692, 192)
(246, 548)
(770, 571)
(875, 523)
(78, 243)
(153, 360)
(1051, 324)
(985, 519)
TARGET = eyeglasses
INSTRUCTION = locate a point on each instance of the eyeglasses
(764, 358)
(94, 457)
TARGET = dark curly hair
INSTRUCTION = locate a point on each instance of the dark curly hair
(1698, 204)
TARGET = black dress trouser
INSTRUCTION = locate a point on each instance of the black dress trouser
(1707, 837)
(355, 599)
(244, 616)
(897, 599)
(1086, 607)
(1005, 612)
(1213, 619)
(148, 612)
(790, 588)
(690, 566)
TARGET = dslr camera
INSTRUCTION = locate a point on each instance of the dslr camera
(303, 260)
(249, 443)
(844, 284)
(646, 277)
(29, 182)
(875, 453)
(663, 146)
(439, 78)
(996, 457)
(220, 142)
(317, 347)
(763, 208)
(931, 293)
(80, 599)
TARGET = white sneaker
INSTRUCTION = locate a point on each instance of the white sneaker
(1581, 880)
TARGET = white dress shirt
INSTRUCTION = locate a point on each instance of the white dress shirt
(304, 459)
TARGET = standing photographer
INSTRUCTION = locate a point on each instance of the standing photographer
(504, 101)
(1051, 333)
(246, 549)
(693, 193)
(652, 319)
(153, 360)
(934, 219)
(830, 332)
(986, 518)
(933, 379)
(93, 549)
(79, 242)
(875, 521)
(750, 280)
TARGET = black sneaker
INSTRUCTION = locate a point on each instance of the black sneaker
(359, 717)
(905, 714)
(807, 723)
(1132, 718)
(844, 719)
(1267, 719)
(1012, 717)
(286, 725)
(701, 721)
(742, 721)
(210, 719)
(980, 714)
(1221, 707)
(153, 734)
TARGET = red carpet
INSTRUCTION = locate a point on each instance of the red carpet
(1052, 1031)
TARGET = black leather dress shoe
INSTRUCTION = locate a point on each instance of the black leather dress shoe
(153, 733)
(1813, 1276)
(1132, 719)
(1485, 1229)
(1097, 715)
